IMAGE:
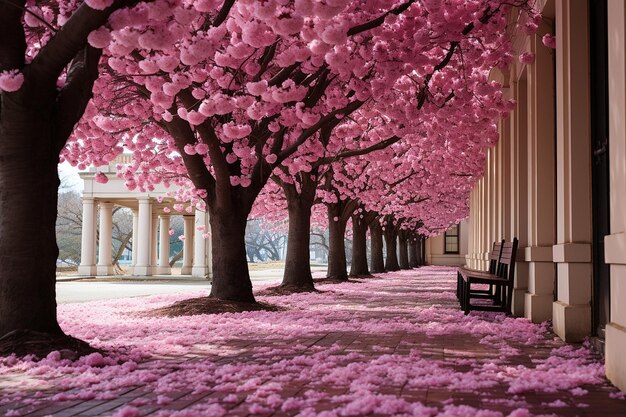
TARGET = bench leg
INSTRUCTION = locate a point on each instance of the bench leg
(466, 296)
(509, 298)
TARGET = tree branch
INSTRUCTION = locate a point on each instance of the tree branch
(73, 98)
(69, 40)
(307, 133)
(379, 20)
(12, 36)
(223, 13)
(356, 152)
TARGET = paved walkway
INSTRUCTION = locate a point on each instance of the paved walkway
(395, 344)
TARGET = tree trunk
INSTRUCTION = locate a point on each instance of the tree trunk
(391, 262)
(413, 255)
(28, 206)
(359, 247)
(337, 268)
(404, 251)
(297, 273)
(376, 237)
(231, 278)
(421, 252)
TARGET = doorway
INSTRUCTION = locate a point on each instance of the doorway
(598, 49)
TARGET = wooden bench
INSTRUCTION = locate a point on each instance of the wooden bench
(494, 259)
(502, 280)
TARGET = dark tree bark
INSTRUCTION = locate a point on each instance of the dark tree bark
(231, 278)
(377, 257)
(359, 247)
(403, 250)
(421, 251)
(337, 268)
(391, 238)
(28, 191)
(413, 254)
(297, 275)
(35, 123)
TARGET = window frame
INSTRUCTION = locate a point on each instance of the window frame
(458, 241)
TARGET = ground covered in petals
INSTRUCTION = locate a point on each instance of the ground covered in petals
(392, 345)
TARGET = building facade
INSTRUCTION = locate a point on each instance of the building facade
(449, 248)
(557, 178)
(152, 212)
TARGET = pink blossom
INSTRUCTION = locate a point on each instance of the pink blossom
(99, 4)
(101, 178)
(99, 38)
(11, 80)
(527, 58)
(549, 41)
(128, 411)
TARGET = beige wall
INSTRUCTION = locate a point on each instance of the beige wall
(435, 248)
(537, 181)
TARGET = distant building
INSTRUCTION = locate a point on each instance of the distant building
(450, 247)
(151, 223)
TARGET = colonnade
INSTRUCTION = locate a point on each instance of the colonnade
(538, 184)
(150, 240)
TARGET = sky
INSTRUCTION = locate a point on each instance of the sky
(70, 180)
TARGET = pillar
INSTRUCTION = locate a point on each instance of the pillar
(105, 265)
(202, 245)
(541, 186)
(154, 243)
(88, 238)
(135, 233)
(188, 245)
(164, 245)
(142, 241)
(519, 191)
(615, 243)
(571, 313)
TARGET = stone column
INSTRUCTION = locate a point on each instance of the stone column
(142, 242)
(188, 245)
(200, 258)
(154, 242)
(571, 314)
(519, 191)
(135, 233)
(164, 245)
(541, 186)
(470, 232)
(105, 265)
(88, 240)
(615, 243)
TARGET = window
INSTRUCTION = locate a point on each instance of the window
(451, 240)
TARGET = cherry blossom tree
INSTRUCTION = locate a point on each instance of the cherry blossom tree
(213, 95)
(268, 79)
(47, 69)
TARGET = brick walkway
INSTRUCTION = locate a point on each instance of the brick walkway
(396, 344)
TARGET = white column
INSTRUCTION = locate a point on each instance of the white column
(105, 265)
(142, 241)
(615, 243)
(542, 185)
(135, 233)
(154, 242)
(164, 245)
(187, 245)
(571, 313)
(88, 240)
(200, 254)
